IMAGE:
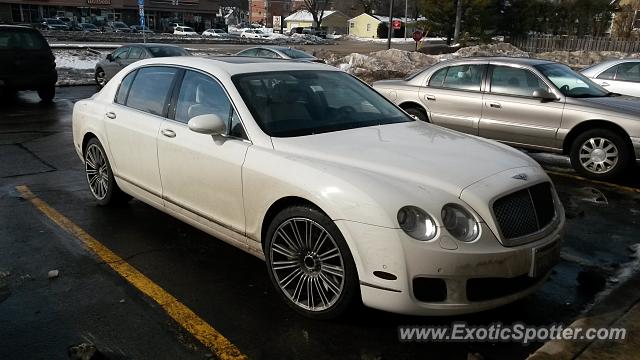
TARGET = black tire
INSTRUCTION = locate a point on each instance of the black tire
(47, 92)
(100, 77)
(110, 194)
(580, 158)
(348, 296)
(417, 112)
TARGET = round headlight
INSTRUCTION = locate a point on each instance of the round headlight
(417, 223)
(460, 224)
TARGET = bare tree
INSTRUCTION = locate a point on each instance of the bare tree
(368, 6)
(317, 9)
(623, 22)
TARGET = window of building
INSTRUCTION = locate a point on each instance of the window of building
(368, 27)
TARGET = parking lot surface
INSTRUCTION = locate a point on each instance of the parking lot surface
(88, 302)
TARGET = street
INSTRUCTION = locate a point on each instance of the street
(90, 303)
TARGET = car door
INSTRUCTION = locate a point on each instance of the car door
(623, 78)
(132, 123)
(202, 174)
(453, 96)
(511, 113)
(117, 62)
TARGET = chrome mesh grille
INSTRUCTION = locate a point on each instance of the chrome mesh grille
(525, 212)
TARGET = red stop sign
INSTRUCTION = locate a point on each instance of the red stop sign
(396, 24)
(417, 35)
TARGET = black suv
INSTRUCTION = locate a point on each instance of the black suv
(26, 62)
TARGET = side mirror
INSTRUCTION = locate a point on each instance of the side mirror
(109, 57)
(544, 95)
(209, 124)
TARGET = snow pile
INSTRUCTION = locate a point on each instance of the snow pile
(76, 66)
(584, 58)
(501, 49)
(306, 38)
(382, 64)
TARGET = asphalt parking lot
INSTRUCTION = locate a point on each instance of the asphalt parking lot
(89, 303)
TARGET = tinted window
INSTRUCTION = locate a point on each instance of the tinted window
(609, 74)
(22, 40)
(296, 54)
(150, 89)
(514, 81)
(201, 95)
(300, 103)
(438, 78)
(123, 90)
(629, 72)
(135, 53)
(249, 52)
(164, 51)
(465, 77)
(267, 53)
(121, 53)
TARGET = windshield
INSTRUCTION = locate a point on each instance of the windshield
(299, 103)
(258, 31)
(120, 25)
(165, 51)
(55, 22)
(296, 54)
(571, 83)
(186, 29)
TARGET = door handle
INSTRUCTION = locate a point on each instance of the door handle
(430, 97)
(495, 105)
(111, 115)
(605, 84)
(168, 133)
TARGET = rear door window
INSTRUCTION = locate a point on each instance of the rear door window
(438, 78)
(123, 90)
(609, 74)
(629, 72)
(150, 89)
(21, 40)
(135, 53)
(464, 77)
(121, 53)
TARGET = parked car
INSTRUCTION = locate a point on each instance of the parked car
(618, 76)
(534, 104)
(87, 27)
(254, 34)
(141, 29)
(53, 24)
(117, 27)
(26, 62)
(343, 194)
(279, 52)
(172, 26)
(315, 32)
(128, 54)
(184, 30)
(218, 33)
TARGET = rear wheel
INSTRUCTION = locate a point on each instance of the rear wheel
(100, 176)
(417, 113)
(47, 92)
(101, 77)
(310, 263)
(600, 154)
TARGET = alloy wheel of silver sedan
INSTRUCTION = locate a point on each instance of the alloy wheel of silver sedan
(96, 169)
(599, 155)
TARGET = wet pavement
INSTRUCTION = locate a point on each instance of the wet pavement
(229, 289)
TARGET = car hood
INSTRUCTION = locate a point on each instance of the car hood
(413, 151)
(627, 105)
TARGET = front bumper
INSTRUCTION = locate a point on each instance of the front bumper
(635, 141)
(465, 273)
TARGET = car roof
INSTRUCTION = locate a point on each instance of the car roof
(148, 45)
(233, 65)
(17, 27)
(505, 59)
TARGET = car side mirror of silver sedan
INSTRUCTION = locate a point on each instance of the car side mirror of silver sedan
(209, 124)
(544, 95)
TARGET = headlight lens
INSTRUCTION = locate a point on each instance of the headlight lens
(460, 223)
(417, 223)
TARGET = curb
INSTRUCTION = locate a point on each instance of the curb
(615, 306)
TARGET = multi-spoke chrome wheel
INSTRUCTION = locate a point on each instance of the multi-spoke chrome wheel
(307, 264)
(101, 77)
(97, 170)
(599, 155)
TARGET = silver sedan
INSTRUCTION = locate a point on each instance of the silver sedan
(618, 76)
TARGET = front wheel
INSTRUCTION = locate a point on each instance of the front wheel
(417, 113)
(310, 263)
(100, 176)
(600, 154)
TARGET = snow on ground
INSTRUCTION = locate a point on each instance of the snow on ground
(76, 66)
(408, 40)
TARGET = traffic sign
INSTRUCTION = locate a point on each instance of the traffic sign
(397, 24)
(140, 2)
(417, 35)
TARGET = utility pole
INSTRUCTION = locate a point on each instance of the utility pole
(406, 16)
(390, 24)
(456, 34)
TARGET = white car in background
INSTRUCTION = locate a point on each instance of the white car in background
(344, 195)
(218, 33)
(254, 34)
(184, 30)
(617, 76)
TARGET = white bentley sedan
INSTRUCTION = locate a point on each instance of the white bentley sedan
(344, 195)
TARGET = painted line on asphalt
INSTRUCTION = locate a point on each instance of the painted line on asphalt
(184, 316)
(604, 183)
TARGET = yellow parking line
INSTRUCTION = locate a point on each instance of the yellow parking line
(184, 316)
(614, 186)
